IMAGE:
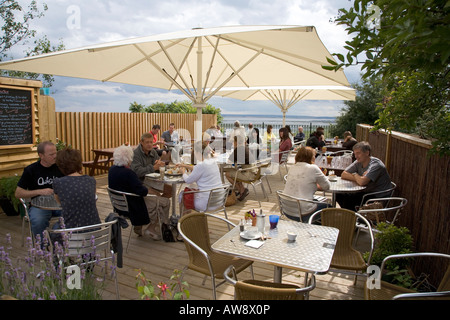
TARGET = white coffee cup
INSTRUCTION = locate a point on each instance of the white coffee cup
(291, 236)
(251, 232)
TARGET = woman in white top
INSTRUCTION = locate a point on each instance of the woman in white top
(205, 174)
(304, 179)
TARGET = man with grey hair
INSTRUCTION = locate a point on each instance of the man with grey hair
(238, 130)
(146, 160)
(37, 180)
(365, 171)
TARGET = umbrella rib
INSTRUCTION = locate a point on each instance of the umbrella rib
(211, 63)
(228, 63)
(163, 71)
(342, 94)
(186, 55)
(233, 75)
(174, 66)
(133, 64)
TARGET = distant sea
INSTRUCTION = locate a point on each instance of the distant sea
(277, 119)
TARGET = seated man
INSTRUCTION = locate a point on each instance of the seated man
(37, 180)
(300, 136)
(146, 160)
(349, 141)
(241, 155)
(316, 140)
(365, 171)
(156, 144)
(170, 136)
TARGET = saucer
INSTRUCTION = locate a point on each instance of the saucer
(247, 237)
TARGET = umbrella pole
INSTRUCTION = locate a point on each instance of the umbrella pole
(198, 121)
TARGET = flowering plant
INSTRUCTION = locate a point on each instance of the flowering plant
(146, 289)
(41, 274)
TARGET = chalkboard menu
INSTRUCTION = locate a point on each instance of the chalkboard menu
(16, 116)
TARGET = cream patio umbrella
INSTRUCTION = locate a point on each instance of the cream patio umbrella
(285, 97)
(194, 61)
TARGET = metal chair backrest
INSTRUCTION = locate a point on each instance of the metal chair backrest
(91, 244)
(345, 221)
(217, 197)
(385, 193)
(443, 291)
(291, 206)
(193, 228)
(265, 290)
(88, 239)
(25, 219)
(392, 205)
(284, 156)
(119, 199)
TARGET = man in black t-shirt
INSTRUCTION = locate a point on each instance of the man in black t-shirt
(36, 180)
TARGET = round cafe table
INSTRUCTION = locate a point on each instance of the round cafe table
(343, 186)
(46, 203)
(169, 179)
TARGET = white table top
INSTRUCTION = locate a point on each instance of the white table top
(46, 203)
(311, 252)
(171, 179)
(342, 185)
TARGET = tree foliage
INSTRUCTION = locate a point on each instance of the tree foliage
(16, 30)
(362, 110)
(405, 42)
(175, 107)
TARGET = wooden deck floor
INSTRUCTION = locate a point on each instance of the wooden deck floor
(158, 259)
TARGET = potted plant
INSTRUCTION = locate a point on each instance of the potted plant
(388, 241)
(8, 201)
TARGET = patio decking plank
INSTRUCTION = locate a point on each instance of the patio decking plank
(158, 259)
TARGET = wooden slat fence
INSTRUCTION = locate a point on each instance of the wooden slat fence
(89, 130)
(423, 180)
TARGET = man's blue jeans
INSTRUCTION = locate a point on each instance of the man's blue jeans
(40, 219)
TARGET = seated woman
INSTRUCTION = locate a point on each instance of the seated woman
(75, 192)
(142, 210)
(285, 142)
(269, 138)
(254, 142)
(303, 180)
(205, 174)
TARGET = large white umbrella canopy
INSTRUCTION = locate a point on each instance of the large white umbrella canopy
(285, 97)
(195, 61)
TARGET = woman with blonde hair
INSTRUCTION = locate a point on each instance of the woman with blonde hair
(303, 180)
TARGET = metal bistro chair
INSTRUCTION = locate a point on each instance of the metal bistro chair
(291, 207)
(84, 243)
(388, 214)
(386, 194)
(26, 219)
(388, 291)
(346, 259)
(284, 161)
(265, 290)
(120, 205)
(257, 180)
(216, 200)
(193, 228)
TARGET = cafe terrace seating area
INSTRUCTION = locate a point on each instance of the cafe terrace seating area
(158, 259)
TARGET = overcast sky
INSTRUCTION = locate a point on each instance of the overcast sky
(83, 22)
